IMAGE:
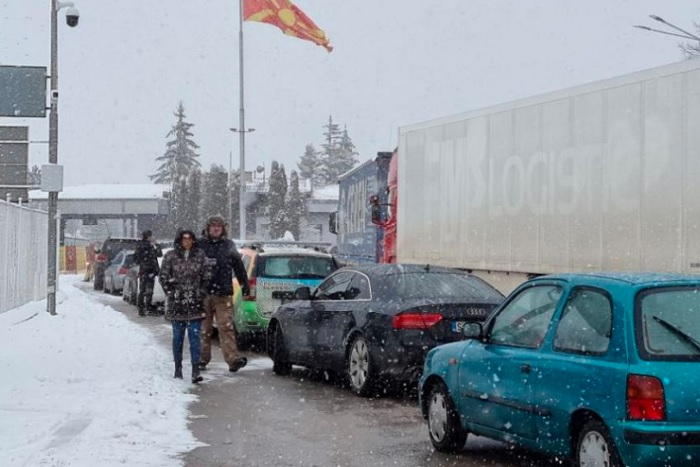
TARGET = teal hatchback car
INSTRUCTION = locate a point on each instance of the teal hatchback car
(603, 369)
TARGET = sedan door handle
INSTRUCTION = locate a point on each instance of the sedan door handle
(525, 368)
(326, 314)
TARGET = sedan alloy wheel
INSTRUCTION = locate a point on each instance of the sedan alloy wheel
(359, 367)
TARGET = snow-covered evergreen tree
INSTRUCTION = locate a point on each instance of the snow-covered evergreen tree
(346, 156)
(277, 200)
(295, 209)
(310, 166)
(338, 155)
(215, 193)
(189, 208)
(180, 156)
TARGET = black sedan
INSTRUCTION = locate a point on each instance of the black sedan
(376, 323)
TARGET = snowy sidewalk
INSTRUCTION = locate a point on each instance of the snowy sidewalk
(87, 388)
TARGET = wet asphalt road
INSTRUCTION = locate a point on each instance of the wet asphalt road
(255, 418)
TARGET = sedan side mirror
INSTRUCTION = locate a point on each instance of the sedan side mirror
(472, 331)
(302, 293)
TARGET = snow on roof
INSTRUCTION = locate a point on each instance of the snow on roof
(106, 191)
(331, 192)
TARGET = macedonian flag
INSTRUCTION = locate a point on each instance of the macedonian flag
(286, 16)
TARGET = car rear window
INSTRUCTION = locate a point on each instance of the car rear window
(438, 285)
(667, 324)
(112, 246)
(295, 267)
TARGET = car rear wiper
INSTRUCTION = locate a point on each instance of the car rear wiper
(677, 331)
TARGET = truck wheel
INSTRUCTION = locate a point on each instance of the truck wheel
(444, 427)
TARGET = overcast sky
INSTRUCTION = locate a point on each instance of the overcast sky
(128, 63)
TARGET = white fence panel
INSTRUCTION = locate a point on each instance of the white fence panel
(23, 255)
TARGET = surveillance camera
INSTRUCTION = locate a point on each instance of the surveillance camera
(72, 16)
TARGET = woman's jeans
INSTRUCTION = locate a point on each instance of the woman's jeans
(193, 329)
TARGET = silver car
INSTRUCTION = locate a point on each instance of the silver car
(130, 288)
(117, 270)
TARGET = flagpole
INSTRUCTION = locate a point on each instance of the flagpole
(242, 128)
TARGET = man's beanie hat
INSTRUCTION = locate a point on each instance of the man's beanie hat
(216, 220)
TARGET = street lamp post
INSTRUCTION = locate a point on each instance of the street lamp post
(684, 34)
(72, 16)
(241, 188)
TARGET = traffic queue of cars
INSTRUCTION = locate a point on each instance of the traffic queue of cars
(601, 369)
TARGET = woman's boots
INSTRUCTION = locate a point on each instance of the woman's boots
(196, 375)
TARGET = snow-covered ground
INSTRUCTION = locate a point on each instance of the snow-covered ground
(87, 388)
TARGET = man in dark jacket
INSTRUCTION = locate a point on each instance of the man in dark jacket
(223, 260)
(146, 256)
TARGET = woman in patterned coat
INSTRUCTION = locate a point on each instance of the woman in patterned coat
(183, 276)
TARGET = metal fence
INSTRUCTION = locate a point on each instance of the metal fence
(23, 255)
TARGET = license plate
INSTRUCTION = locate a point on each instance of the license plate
(457, 326)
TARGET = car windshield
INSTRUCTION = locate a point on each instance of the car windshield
(296, 267)
(438, 285)
(668, 324)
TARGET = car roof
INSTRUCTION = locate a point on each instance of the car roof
(372, 269)
(286, 251)
(629, 278)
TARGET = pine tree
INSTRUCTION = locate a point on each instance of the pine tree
(331, 136)
(339, 154)
(277, 197)
(310, 166)
(34, 176)
(346, 156)
(178, 203)
(215, 193)
(190, 217)
(180, 156)
(295, 209)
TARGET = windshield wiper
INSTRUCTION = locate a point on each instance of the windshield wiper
(677, 331)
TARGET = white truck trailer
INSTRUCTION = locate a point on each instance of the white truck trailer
(599, 177)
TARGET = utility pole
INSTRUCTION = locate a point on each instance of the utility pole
(72, 16)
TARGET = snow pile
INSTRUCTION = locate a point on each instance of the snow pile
(87, 388)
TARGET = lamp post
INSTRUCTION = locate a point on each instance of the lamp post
(684, 34)
(72, 17)
(241, 188)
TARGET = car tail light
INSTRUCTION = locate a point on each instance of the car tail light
(101, 257)
(645, 398)
(416, 320)
(123, 271)
(253, 290)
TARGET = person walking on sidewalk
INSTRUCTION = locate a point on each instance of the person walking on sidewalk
(183, 276)
(146, 256)
(224, 260)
